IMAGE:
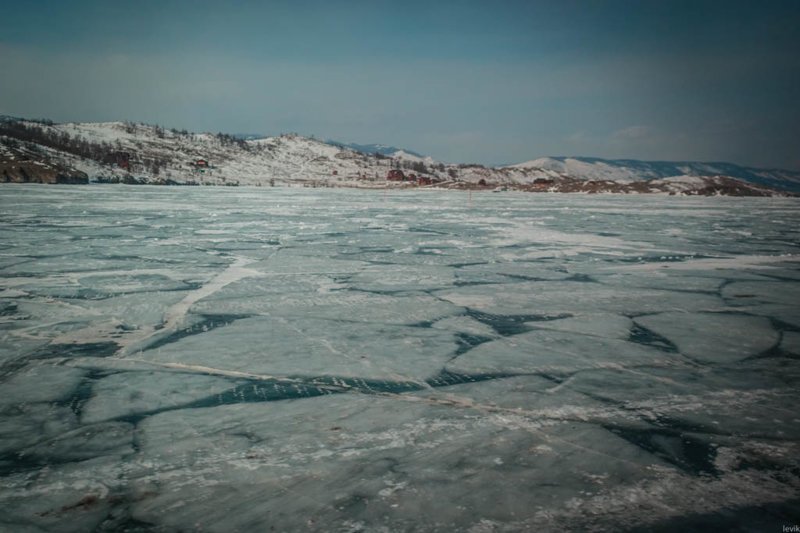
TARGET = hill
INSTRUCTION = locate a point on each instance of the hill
(126, 152)
(593, 168)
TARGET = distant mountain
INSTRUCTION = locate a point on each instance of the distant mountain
(248, 136)
(375, 149)
(124, 152)
(622, 170)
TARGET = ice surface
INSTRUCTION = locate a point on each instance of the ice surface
(143, 393)
(555, 352)
(296, 346)
(221, 359)
(791, 342)
(562, 297)
(773, 292)
(39, 383)
(714, 337)
(597, 324)
(372, 460)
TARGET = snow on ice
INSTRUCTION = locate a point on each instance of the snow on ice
(345, 360)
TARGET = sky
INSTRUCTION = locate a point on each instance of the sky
(489, 82)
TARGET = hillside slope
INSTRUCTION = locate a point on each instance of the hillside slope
(592, 168)
(124, 152)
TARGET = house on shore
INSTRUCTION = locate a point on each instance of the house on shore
(395, 175)
(199, 165)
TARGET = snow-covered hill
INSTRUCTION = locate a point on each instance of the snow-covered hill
(116, 151)
(629, 170)
(381, 149)
(139, 153)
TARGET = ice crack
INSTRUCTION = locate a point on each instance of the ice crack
(176, 315)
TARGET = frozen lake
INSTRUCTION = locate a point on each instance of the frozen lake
(223, 359)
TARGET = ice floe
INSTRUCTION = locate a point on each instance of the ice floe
(219, 360)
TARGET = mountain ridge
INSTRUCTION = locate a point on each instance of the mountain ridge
(772, 177)
(126, 152)
(375, 148)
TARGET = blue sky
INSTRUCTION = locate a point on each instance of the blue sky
(467, 81)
